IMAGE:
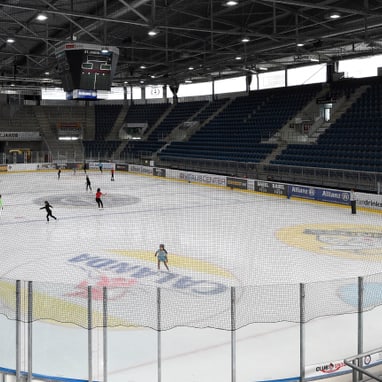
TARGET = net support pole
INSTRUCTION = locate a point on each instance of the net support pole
(90, 333)
(105, 323)
(18, 330)
(159, 342)
(30, 320)
(233, 334)
(302, 332)
(360, 322)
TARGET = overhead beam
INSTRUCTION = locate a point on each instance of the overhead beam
(70, 19)
(132, 9)
(316, 5)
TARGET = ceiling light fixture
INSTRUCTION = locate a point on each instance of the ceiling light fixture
(245, 39)
(42, 17)
(188, 81)
(143, 66)
(231, 3)
(300, 44)
(191, 68)
(238, 58)
(153, 32)
(105, 50)
(334, 15)
(10, 40)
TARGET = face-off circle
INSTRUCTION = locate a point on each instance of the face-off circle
(87, 200)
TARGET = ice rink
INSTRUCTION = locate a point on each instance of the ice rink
(243, 237)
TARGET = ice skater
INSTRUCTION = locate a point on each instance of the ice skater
(353, 201)
(161, 254)
(59, 174)
(112, 175)
(88, 183)
(48, 209)
(1, 205)
(99, 194)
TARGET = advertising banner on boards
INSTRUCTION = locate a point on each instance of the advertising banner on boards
(271, 187)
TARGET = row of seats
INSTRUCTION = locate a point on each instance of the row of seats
(352, 142)
(105, 117)
(181, 112)
(148, 113)
(247, 120)
(100, 149)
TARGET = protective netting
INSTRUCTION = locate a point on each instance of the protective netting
(235, 258)
(161, 308)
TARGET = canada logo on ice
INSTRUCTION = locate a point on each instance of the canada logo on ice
(198, 290)
(188, 277)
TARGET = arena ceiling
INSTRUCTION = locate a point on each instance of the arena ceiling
(195, 40)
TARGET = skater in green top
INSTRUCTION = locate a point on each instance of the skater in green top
(161, 254)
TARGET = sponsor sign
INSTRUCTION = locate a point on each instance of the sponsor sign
(19, 136)
(237, 183)
(271, 187)
(159, 172)
(332, 368)
(320, 194)
(3, 168)
(25, 166)
(104, 165)
(46, 166)
(369, 201)
(122, 167)
(333, 196)
(200, 178)
(141, 169)
(328, 369)
(302, 192)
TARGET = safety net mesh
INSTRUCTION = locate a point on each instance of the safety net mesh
(161, 308)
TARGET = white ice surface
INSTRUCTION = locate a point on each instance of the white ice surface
(234, 231)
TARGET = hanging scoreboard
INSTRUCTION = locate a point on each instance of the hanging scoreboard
(86, 66)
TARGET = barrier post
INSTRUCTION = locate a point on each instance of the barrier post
(360, 323)
(159, 343)
(90, 333)
(233, 334)
(302, 332)
(30, 333)
(18, 330)
(104, 333)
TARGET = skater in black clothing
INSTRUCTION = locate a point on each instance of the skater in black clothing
(112, 175)
(48, 207)
(59, 174)
(353, 201)
(88, 184)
